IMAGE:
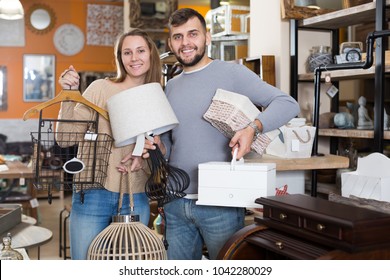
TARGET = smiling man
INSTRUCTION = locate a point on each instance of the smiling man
(194, 141)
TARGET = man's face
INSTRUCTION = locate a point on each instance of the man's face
(188, 42)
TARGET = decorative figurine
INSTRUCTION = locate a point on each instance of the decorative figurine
(364, 120)
(344, 120)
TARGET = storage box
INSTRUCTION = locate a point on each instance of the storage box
(240, 186)
(10, 216)
(229, 20)
(370, 180)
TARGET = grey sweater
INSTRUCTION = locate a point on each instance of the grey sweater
(195, 140)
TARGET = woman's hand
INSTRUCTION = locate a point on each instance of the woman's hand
(69, 79)
(136, 165)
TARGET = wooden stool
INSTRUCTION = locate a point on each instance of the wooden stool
(64, 216)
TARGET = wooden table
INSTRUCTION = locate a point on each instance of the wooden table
(299, 165)
(18, 170)
(25, 235)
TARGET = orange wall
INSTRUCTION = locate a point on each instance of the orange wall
(91, 58)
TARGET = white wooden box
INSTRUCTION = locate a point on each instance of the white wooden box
(220, 184)
(370, 180)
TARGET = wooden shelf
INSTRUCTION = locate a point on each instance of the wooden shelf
(351, 133)
(288, 164)
(351, 16)
(360, 14)
(340, 75)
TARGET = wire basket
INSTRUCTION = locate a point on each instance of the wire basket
(69, 161)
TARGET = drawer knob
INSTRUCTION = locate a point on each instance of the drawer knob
(320, 227)
(282, 216)
(279, 244)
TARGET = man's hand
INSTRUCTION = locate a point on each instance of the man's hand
(69, 79)
(243, 140)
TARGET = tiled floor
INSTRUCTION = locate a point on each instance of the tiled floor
(48, 217)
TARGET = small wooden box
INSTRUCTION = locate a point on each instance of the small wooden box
(325, 222)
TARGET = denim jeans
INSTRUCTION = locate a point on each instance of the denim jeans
(87, 220)
(190, 226)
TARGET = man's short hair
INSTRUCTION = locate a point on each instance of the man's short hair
(181, 16)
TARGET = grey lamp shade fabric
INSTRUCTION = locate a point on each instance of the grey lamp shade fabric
(138, 111)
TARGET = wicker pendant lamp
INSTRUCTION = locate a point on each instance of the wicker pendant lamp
(126, 238)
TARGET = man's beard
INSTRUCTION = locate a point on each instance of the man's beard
(198, 57)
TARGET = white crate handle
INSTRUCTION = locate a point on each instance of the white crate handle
(235, 161)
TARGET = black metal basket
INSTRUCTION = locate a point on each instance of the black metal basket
(67, 161)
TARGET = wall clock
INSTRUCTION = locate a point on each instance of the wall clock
(69, 39)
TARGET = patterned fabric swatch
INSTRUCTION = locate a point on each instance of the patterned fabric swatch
(104, 24)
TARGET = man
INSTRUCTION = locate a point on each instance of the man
(190, 226)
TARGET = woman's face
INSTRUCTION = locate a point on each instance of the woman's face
(135, 55)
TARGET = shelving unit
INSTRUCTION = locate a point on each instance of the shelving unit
(365, 13)
(375, 11)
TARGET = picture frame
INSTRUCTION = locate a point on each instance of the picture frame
(38, 77)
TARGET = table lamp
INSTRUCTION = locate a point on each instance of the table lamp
(138, 112)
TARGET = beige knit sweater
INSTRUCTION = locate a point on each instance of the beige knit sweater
(98, 93)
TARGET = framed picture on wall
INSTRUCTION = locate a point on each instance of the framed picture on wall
(38, 77)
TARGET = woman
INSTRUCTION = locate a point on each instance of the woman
(137, 63)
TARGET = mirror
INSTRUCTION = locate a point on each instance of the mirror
(40, 18)
(151, 14)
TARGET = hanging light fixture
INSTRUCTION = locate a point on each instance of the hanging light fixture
(11, 9)
(307, 3)
(126, 238)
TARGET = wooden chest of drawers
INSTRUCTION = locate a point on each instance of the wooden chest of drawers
(303, 227)
(333, 224)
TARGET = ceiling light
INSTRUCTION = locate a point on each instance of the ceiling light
(11, 9)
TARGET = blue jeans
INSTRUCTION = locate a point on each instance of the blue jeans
(87, 220)
(190, 226)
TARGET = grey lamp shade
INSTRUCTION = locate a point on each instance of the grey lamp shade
(138, 111)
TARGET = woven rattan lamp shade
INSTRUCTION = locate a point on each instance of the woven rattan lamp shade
(127, 240)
